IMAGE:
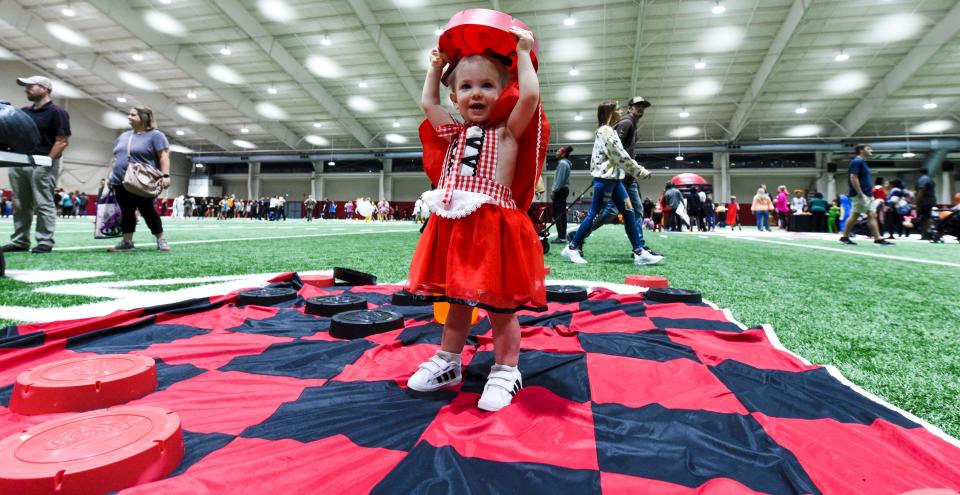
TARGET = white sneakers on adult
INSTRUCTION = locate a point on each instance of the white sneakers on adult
(502, 384)
(574, 255)
(436, 373)
(645, 257)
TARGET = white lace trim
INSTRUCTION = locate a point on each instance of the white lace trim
(462, 204)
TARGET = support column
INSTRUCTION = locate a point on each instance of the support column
(388, 179)
(721, 181)
(822, 172)
(253, 180)
(946, 194)
(316, 179)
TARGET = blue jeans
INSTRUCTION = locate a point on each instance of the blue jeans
(763, 218)
(633, 192)
(601, 189)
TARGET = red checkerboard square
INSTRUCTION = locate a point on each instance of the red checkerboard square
(211, 351)
(222, 318)
(538, 427)
(392, 362)
(616, 321)
(227, 402)
(622, 484)
(750, 347)
(674, 384)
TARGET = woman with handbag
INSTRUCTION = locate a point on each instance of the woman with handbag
(141, 169)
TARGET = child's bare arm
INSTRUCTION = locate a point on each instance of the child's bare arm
(430, 99)
(528, 81)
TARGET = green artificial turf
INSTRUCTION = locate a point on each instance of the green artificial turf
(890, 326)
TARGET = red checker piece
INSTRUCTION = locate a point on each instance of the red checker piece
(546, 269)
(82, 384)
(319, 281)
(93, 452)
(475, 31)
(649, 281)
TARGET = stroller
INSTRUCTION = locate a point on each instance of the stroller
(538, 215)
(948, 224)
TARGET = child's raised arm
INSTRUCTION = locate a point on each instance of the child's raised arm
(430, 99)
(528, 81)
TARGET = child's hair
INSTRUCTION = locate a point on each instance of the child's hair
(504, 76)
(605, 112)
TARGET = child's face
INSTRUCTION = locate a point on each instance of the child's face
(478, 87)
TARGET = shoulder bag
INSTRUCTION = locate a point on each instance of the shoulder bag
(140, 178)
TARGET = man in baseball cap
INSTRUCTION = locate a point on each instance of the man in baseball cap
(33, 186)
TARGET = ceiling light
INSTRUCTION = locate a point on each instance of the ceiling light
(67, 35)
(684, 113)
(842, 57)
(270, 111)
(67, 12)
(685, 132)
(224, 74)
(316, 140)
(317, 125)
(847, 82)
(573, 94)
(396, 123)
(569, 21)
(363, 83)
(361, 104)
(191, 95)
(191, 115)
(180, 132)
(137, 57)
(438, 31)
(578, 117)
(121, 99)
(331, 163)
(163, 23)
(65, 90)
(909, 154)
(277, 10)
(114, 120)
(272, 90)
(137, 81)
(700, 65)
(176, 148)
(800, 110)
(718, 8)
(323, 67)
(721, 39)
(167, 2)
(679, 158)
(803, 131)
(701, 89)
(894, 27)
(325, 41)
(578, 135)
(225, 50)
(574, 71)
(62, 66)
(240, 143)
(395, 138)
(929, 105)
(244, 130)
(572, 50)
(933, 127)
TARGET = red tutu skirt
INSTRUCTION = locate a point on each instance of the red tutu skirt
(492, 259)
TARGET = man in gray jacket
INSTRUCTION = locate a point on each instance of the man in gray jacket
(560, 191)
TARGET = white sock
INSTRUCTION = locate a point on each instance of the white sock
(512, 369)
(449, 357)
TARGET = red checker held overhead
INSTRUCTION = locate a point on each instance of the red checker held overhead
(93, 452)
(82, 384)
(479, 32)
(649, 281)
(319, 281)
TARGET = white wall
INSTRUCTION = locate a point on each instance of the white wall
(409, 188)
(344, 188)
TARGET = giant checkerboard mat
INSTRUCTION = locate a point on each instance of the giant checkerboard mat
(622, 395)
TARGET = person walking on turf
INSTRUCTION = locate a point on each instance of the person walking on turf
(147, 145)
(761, 208)
(926, 200)
(607, 164)
(33, 186)
(861, 197)
(480, 248)
(560, 191)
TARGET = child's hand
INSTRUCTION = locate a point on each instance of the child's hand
(438, 59)
(524, 39)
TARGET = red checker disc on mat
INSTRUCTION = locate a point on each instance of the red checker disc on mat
(319, 281)
(93, 452)
(82, 384)
(652, 281)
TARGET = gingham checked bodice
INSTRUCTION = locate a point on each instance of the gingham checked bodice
(471, 164)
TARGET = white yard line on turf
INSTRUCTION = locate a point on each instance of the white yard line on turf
(850, 251)
(242, 239)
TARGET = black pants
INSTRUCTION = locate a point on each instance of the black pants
(129, 204)
(924, 218)
(560, 211)
(819, 221)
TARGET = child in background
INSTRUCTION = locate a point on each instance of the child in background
(721, 215)
(733, 213)
(480, 250)
(833, 214)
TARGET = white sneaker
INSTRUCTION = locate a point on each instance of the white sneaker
(502, 384)
(573, 255)
(434, 374)
(646, 258)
